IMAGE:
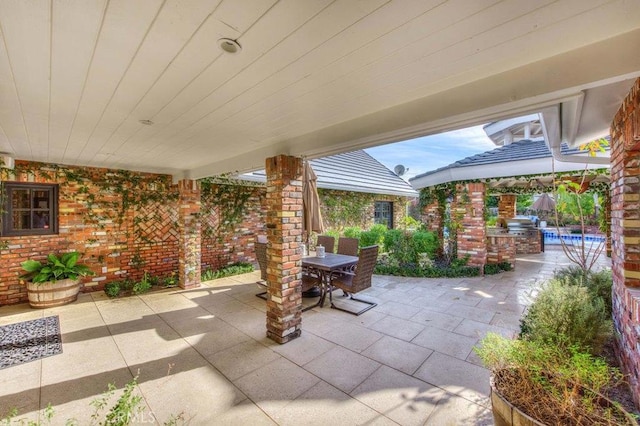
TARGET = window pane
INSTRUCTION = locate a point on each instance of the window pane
(41, 200)
(21, 220)
(20, 199)
(40, 220)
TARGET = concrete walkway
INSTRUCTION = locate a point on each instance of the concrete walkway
(203, 353)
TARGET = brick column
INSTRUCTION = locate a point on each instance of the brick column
(625, 232)
(432, 218)
(472, 235)
(507, 206)
(284, 233)
(189, 225)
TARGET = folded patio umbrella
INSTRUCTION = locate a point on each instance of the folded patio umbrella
(544, 203)
(311, 201)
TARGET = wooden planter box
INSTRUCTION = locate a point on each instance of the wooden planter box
(50, 294)
(505, 414)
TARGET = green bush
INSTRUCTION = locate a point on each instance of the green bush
(234, 269)
(597, 283)
(140, 287)
(352, 232)
(566, 316)
(112, 289)
(425, 242)
(373, 236)
(492, 269)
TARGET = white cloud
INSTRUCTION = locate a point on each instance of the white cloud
(428, 153)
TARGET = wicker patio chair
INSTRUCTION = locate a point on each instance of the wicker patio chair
(261, 256)
(348, 246)
(354, 282)
(327, 241)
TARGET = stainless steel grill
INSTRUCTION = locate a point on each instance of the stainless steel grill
(520, 226)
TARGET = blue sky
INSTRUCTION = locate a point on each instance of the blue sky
(431, 152)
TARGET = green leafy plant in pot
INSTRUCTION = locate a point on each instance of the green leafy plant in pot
(55, 282)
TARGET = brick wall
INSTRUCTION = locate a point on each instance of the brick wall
(501, 249)
(124, 249)
(529, 243)
(221, 248)
(625, 232)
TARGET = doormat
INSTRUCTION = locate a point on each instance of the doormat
(29, 340)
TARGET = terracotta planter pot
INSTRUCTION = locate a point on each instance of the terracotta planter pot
(50, 294)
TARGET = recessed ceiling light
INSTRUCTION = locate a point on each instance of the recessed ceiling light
(145, 122)
(229, 45)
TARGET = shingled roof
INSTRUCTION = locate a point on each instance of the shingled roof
(516, 159)
(354, 171)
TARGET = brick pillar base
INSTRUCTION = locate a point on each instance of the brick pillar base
(284, 233)
(625, 232)
(472, 236)
(189, 225)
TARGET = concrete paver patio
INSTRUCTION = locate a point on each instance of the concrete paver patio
(203, 353)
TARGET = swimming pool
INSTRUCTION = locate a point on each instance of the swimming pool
(551, 237)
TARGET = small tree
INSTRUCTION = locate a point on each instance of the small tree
(569, 193)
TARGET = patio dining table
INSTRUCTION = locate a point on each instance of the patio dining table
(326, 266)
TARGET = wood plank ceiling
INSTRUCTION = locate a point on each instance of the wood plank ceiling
(313, 77)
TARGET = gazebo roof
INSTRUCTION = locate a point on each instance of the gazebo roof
(504, 164)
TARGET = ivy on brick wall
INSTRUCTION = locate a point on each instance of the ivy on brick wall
(108, 196)
(340, 211)
(229, 197)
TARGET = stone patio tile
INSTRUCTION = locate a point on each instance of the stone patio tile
(431, 303)
(324, 405)
(21, 312)
(506, 305)
(392, 295)
(204, 391)
(437, 319)
(245, 413)
(456, 376)
(508, 321)
(398, 354)
(478, 330)
(404, 399)
(243, 358)
(142, 341)
(304, 349)
(319, 323)
(455, 410)
(218, 337)
(169, 300)
(397, 327)
(251, 322)
(342, 368)
(473, 313)
(230, 306)
(400, 310)
(72, 399)
(82, 357)
(126, 309)
(365, 320)
(351, 336)
(274, 385)
(20, 389)
(445, 342)
(460, 297)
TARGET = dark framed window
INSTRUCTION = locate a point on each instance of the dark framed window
(383, 213)
(29, 209)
